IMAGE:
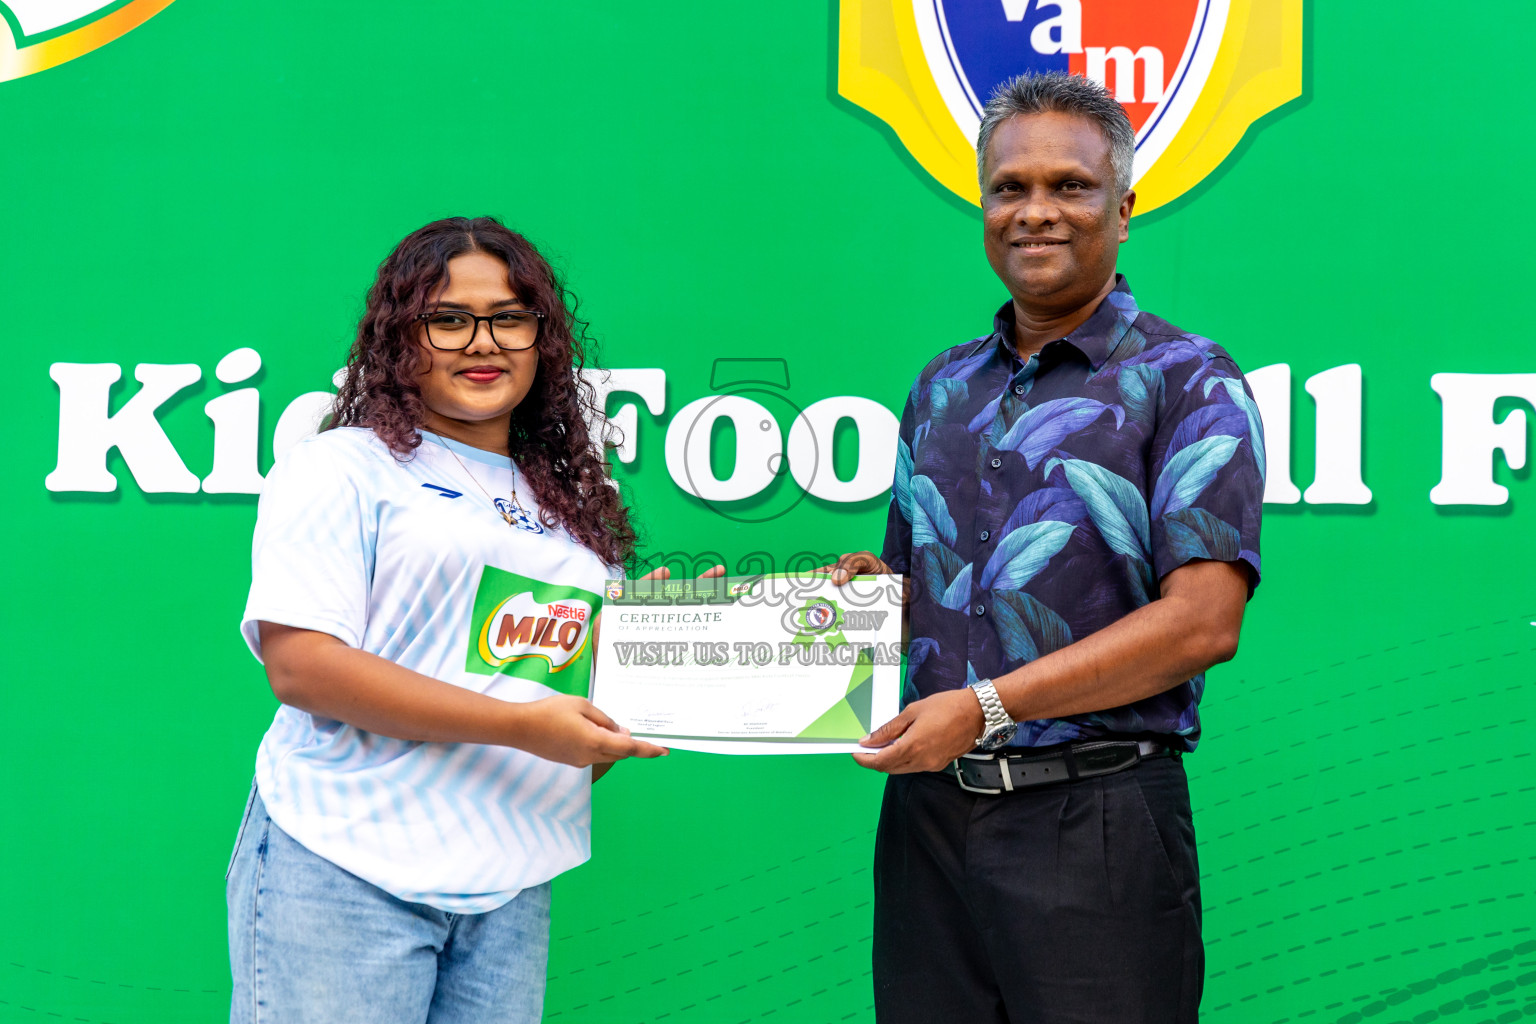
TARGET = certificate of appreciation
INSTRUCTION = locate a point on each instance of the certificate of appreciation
(773, 664)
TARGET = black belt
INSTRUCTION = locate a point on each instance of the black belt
(992, 774)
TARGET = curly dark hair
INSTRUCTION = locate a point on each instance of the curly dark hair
(548, 437)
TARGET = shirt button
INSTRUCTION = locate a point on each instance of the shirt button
(985, 534)
(981, 609)
(1018, 389)
(996, 463)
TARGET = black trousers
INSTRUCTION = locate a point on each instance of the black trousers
(1072, 903)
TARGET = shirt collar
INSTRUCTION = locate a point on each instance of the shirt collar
(1097, 337)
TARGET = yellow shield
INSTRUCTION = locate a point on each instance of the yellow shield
(46, 33)
(923, 67)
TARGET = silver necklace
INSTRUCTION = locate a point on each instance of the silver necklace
(514, 514)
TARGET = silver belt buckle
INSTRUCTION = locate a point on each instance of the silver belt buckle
(983, 790)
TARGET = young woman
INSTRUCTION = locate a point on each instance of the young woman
(425, 577)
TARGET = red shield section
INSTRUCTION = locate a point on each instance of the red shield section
(1136, 46)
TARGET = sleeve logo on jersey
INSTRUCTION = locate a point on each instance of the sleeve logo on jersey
(1192, 74)
(533, 630)
(47, 33)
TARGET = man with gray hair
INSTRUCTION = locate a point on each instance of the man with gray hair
(1076, 505)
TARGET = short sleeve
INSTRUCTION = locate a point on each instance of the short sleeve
(312, 554)
(1207, 471)
(897, 550)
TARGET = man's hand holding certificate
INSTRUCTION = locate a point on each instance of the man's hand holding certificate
(775, 664)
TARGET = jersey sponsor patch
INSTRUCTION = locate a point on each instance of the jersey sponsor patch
(533, 630)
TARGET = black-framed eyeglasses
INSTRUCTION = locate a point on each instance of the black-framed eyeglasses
(452, 330)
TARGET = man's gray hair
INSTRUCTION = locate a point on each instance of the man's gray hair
(1057, 92)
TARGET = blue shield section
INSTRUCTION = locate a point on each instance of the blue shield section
(988, 49)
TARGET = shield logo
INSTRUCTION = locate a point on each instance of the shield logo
(820, 617)
(47, 33)
(1192, 74)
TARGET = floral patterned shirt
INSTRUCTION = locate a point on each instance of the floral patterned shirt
(1037, 502)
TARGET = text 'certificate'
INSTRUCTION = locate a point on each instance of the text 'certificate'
(774, 664)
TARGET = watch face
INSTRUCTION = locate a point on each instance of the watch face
(995, 738)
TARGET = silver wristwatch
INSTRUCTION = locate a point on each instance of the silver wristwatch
(999, 728)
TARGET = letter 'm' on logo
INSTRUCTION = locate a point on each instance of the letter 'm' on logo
(46, 33)
(515, 631)
(1192, 74)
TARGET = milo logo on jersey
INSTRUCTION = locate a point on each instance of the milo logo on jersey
(1192, 74)
(533, 630)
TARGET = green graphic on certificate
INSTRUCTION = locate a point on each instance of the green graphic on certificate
(533, 630)
(820, 620)
(752, 665)
(849, 717)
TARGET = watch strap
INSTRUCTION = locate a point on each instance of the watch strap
(992, 709)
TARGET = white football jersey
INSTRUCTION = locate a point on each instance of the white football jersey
(414, 562)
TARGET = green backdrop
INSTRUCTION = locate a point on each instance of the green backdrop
(229, 175)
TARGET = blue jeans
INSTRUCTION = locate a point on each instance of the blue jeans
(311, 943)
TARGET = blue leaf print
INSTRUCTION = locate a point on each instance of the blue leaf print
(964, 369)
(1204, 422)
(940, 566)
(917, 653)
(1018, 645)
(1195, 533)
(902, 484)
(931, 520)
(1023, 553)
(1028, 629)
(1239, 395)
(1115, 505)
(1059, 503)
(988, 413)
(947, 395)
(1198, 376)
(1174, 351)
(1185, 544)
(1189, 472)
(1046, 731)
(959, 593)
(990, 417)
(1140, 389)
(1131, 343)
(1189, 719)
(1127, 718)
(1147, 576)
(1124, 303)
(1036, 433)
(1123, 350)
